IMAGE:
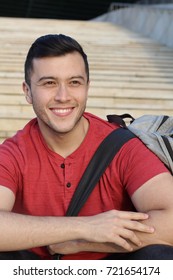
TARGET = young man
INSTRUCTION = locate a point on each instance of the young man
(40, 167)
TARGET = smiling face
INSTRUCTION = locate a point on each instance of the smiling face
(58, 92)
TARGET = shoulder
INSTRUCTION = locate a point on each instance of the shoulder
(13, 145)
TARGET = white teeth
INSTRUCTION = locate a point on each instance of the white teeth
(61, 111)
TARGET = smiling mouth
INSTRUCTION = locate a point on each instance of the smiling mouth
(62, 111)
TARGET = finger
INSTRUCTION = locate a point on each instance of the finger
(122, 243)
(50, 250)
(130, 235)
(137, 226)
(131, 215)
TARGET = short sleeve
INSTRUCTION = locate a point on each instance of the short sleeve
(9, 166)
(137, 164)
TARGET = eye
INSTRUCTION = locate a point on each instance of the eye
(75, 83)
(49, 83)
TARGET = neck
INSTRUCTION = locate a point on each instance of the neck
(65, 144)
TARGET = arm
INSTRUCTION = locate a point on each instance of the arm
(155, 197)
(24, 231)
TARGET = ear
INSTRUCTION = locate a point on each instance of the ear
(27, 92)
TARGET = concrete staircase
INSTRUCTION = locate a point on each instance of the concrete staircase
(153, 21)
(129, 73)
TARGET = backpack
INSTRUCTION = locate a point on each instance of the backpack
(156, 132)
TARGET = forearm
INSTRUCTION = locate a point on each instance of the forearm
(100, 247)
(24, 232)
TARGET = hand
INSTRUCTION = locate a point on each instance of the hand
(68, 247)
(116, 227)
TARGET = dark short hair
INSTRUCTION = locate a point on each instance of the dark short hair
(52, 45)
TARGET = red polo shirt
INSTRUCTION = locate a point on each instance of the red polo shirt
(44, 182)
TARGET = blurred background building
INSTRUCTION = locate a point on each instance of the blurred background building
(61, 9)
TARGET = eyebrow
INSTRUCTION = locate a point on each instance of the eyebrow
(77, 77)
(53, 78)
(46, 78)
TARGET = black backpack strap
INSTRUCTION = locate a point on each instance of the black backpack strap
(120, 119)
(101, 159)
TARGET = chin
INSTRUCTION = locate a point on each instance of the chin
(63, 130)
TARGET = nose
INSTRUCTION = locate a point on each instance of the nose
(62, 94)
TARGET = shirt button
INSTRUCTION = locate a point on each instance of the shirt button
(68, 185)
(62, 165)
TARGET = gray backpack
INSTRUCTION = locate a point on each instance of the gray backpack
(156, 132)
